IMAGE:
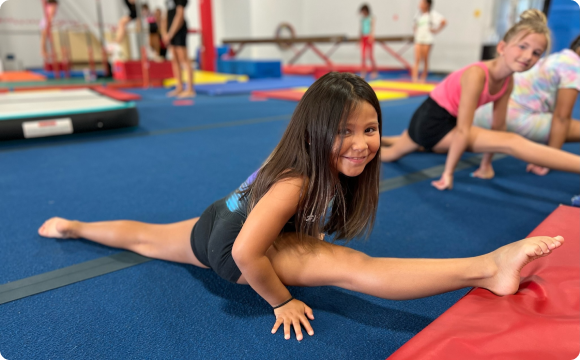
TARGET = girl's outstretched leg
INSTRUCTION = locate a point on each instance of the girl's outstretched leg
(322, 264)
(399, 148)
(489, 141)
(169, 242)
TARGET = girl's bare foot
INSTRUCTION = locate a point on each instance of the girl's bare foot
(483, 173)
(186, 94)
(444, 183)
(389, 140)
(507, 262)
(174, 92)
(538, 170)
(57, 228)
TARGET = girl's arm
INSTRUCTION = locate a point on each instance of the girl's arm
(372, 34)
(498, 123)
(163, 26)
(178, 21)
(565, 100)
(258, 234)
(472, 82)
(442, 24)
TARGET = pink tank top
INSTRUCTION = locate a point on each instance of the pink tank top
(448, 92)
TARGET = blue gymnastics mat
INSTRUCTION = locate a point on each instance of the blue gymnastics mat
(232, 88)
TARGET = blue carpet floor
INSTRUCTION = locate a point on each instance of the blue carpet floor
(169, 169)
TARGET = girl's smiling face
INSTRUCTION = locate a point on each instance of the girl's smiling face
(523, 52)
(360, 139)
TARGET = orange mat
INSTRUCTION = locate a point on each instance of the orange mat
(540, 322)
(14, 76)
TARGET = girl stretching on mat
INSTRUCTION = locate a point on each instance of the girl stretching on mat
(367, 39)
(443, 122)
(540, 108)
(428, 22)
(323, 177)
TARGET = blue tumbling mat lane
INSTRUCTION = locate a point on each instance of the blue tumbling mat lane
(232, 88)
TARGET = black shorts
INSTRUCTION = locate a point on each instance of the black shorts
(132, 10)
(430, 123)
(212, 239)
(180, 38)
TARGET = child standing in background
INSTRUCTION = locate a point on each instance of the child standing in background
(367, 39)
(174, 35)
(427, 23)
(49, 12)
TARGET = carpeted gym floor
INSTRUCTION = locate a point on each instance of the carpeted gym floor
(179, 160)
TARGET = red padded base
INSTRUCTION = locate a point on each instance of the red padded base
(541, 321)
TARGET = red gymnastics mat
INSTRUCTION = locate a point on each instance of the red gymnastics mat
(540, 322)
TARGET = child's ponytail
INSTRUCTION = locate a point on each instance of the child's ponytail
(532, 21)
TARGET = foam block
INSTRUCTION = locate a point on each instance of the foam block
(539, 322)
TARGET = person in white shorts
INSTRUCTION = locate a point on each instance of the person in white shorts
(427, 23)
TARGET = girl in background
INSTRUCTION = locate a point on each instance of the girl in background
(49, 12)
(428, 22)
(323, 177)
(540, 108)
(367, 39)
(443, 123)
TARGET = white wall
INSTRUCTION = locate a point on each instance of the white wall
(469, 23)
(458, 45)
(20, 31)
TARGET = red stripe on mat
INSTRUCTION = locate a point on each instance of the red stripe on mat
(117, 94)
(286, 94)
(541, 321)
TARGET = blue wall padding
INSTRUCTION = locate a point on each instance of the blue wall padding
(255, 69)
(564, 22)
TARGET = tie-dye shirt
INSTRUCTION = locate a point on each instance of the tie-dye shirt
(535, 90)
(533, 99)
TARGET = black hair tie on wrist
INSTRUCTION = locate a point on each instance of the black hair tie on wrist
(284, 303)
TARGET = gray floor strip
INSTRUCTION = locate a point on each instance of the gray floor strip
(69, 275)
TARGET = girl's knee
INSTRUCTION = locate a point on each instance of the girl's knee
(514, 142)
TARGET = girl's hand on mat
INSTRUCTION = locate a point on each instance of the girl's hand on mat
(446, 182)
(294, 314)
(538, 170)
(483, 173)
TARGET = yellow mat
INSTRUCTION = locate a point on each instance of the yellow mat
(390, 95)
(402, 85)
(382, 95)
(208, 77)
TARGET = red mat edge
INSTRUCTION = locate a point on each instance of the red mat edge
(407, 350)
(116, 94)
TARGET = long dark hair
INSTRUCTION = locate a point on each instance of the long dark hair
(366, 8)
(330, 202)
(575, 44)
